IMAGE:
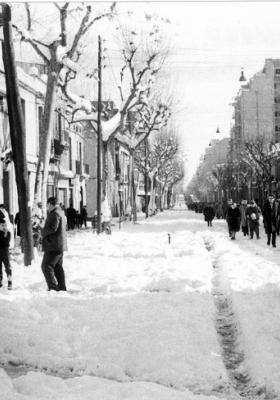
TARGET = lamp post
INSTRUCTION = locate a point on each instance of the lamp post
(99, 139)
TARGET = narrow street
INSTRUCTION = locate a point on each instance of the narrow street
(196, 318)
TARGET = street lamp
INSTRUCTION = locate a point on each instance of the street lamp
(242, 76)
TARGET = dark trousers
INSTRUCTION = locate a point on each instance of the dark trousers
(245, 230)
(53, 270)
(209, 223)
(273, 237)
(5, 259)
(254, 227)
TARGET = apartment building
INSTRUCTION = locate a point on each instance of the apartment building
(69, 171)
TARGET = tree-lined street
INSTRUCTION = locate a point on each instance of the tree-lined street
(189, 320)
(139, 201)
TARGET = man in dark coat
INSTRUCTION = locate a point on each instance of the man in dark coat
(71, 217)
(233, 219)
(209, 214)
(270, 212)
(54, 244)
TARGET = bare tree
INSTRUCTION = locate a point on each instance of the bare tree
(161, 165)
(60, 55)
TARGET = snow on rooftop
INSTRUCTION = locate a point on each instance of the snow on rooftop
(108, 127)
(32, 81)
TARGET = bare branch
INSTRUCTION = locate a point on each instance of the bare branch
(57, 6)
(63, 17)
(27, 8)
(80, 32)
(32, 43)
(94, 20)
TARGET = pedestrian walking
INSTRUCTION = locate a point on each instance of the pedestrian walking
(84, 215)
(226, 208)
(209, 214)
(233, 218)
(5, 236)
(54, 244)
(17, 233)
(270, 215)
(244, 217)
(71, 217)
(253, 219)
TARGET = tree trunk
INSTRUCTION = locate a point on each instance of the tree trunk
(18, 136)
(152, 194)
(133, 189)
(46, 136)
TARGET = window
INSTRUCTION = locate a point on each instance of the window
(277, 99)
(277, 114)
(277, 71)
(80, 152)
(277, 128)
(70, 153)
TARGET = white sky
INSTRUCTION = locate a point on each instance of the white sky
(213, 41)
(210, 42)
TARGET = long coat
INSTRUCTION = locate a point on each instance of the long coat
(54, 231)
(209, 213)
(243, 213)
(233, 219)
(270, 216)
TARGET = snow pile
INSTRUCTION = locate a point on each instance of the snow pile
(252, 281)
(137, 321)
(36, 386)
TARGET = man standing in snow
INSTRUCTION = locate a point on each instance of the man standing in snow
(54, 244)
(270, 211)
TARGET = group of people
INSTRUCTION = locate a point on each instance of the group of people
(246, 217)
(49, 235)
(74, 218)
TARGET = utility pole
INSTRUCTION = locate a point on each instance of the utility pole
(99, 136)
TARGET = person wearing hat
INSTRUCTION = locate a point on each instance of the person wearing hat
(270, 211)
(54, 244)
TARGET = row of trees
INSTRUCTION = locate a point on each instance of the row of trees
(62, 47)
(250, 174)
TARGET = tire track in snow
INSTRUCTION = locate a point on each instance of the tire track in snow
(229, 332)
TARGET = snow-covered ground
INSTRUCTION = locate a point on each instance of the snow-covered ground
(139, 319)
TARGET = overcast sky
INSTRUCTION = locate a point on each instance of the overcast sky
(211, 42)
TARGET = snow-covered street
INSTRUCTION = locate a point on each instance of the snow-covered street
(193, 319)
